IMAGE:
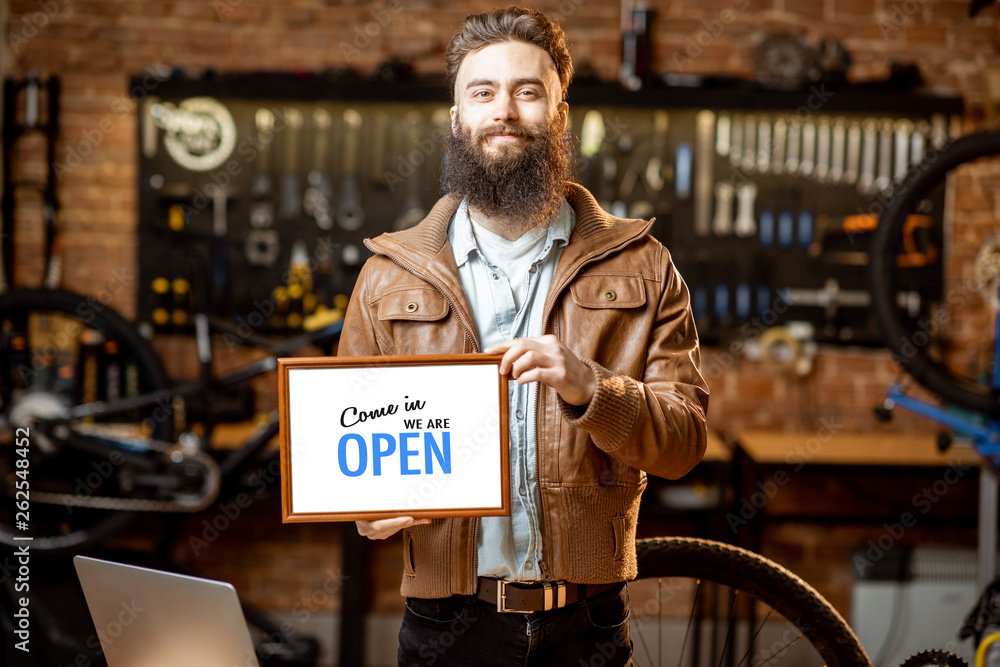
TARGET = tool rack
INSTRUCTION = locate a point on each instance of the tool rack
(765, 198)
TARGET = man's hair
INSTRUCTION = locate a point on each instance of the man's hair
(504, 25)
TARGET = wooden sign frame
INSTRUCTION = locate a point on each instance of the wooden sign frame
(457, 402)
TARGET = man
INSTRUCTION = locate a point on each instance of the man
(597, 336)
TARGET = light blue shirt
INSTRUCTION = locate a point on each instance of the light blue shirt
(511, 547)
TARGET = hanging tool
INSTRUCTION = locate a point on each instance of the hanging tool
(291, 197)
(704, 164)
(220, 249)
(780, 146)
(764, 146)
(350, 212)
(745, 225)
(917, 248)
(838, 144)
(413, 210)
(12, 132)
(853, 160)
(823, 149)
(722, 224)
(794, 146)
(316, 201)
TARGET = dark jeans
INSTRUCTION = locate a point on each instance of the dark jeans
(464, 631)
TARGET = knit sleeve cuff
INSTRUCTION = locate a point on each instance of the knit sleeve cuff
(612, 411)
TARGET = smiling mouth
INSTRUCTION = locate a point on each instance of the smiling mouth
(508, 134)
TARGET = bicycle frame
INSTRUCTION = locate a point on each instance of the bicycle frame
(985, 438)
(259, 436)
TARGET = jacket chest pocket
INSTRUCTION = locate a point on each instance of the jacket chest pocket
(419, 304)
(608, 292)
(608, 318)
(415, 321)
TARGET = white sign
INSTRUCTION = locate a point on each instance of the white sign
(393, 436)
(199, 134)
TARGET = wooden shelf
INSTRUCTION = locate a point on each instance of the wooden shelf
(772, 447)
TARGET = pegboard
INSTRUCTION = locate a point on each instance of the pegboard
(765, 198)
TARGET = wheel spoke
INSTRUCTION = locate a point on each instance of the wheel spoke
(729, 628)
(659, 622)
(754, 637)
(687, 630)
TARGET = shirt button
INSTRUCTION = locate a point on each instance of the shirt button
(519, 414)
(527, 566)
(522, 491)
(496, 277)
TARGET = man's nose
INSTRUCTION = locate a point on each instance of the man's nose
(505, 109)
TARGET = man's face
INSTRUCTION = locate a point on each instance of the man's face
(508, 155)
(506, 92)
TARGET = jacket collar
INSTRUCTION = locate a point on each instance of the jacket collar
(601, 231)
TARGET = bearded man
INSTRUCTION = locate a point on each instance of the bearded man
(597, 336)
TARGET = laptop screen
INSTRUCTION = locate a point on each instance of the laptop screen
(150, 618)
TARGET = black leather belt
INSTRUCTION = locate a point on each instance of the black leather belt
(525, 597)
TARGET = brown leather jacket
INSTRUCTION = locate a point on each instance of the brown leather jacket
(618, 303)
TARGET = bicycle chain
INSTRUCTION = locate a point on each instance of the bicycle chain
(194, 504)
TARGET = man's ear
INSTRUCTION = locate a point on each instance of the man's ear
(454, 118)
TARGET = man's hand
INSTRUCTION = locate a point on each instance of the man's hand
(383, 528)
(545, 359)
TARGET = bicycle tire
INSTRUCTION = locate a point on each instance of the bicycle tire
(96, 525)
(897, 336)
(764, 580)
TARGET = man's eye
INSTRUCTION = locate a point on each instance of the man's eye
(481, 94)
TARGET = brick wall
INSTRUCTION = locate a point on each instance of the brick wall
(96, 45)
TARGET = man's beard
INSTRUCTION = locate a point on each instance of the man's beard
(521, 183)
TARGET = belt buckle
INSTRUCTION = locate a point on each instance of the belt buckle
(502, 597)
(554, 597)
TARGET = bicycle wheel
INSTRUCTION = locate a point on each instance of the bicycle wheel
(757, 612)
(959, 376)
(43, 370)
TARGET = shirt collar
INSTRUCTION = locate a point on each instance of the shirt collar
(463, 240)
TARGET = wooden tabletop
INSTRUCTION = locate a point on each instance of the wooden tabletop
(717, 449)
(826, 448)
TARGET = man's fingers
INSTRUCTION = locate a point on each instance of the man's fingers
(532, 360)
(499, 348)
(380, 529)
(504, 348)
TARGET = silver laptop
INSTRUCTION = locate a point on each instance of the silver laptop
(149, 618)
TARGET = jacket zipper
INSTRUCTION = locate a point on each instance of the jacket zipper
(475, 347)
(543, 563)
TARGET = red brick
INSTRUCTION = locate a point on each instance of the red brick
(925, 34)
(943, 12)
(854, 9)
(237, 13)
(289, 16)
(813, 10)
